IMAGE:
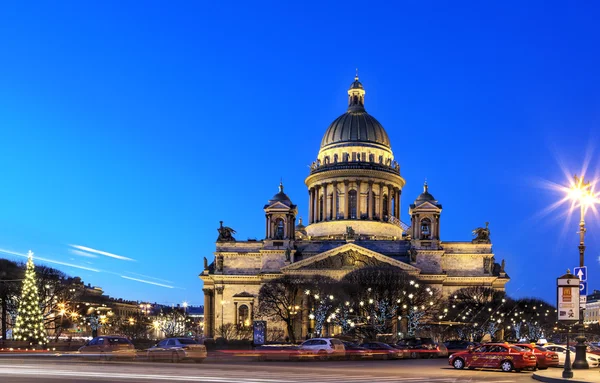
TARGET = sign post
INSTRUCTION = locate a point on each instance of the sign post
(567, 298)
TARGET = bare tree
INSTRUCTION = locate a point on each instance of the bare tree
(278, 297)
(380, 294)
(11, 275)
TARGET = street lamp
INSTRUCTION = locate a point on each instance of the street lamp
(581, 193)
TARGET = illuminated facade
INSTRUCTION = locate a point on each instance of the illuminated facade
(355, 189)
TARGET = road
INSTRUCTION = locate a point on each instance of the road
(23, 370)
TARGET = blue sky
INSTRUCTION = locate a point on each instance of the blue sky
(134, 128)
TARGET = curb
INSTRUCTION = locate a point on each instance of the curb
(548, 379)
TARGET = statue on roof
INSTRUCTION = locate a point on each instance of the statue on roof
(225, 233)
(482, 235)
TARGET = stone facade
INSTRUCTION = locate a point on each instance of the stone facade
(354, 196)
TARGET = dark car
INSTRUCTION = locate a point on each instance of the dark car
(419, 347)
(355, 352)
(382, 350)
(176, 349)
(458, 345)
(108, 347)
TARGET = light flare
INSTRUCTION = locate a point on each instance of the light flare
(100, 252)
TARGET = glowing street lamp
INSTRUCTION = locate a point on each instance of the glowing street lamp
(581, 193)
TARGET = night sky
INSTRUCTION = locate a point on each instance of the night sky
(133, 128)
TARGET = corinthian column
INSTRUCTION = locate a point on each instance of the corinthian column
(370, 200)
(346, 200)
(334, 201)
(325, 203)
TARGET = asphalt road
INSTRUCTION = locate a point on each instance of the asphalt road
(21, 370)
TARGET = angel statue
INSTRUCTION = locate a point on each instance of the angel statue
(482, 235)
(225, 233)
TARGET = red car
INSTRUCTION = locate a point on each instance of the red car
(494, 355)
(545, 357)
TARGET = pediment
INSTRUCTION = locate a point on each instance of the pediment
(277, 206)
(348, 257)
(427, 206)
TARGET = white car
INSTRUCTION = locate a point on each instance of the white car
(561, 351)
(323, 348)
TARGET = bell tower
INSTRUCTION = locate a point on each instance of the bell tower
(280, 215)
(356, 95)
(425, 220)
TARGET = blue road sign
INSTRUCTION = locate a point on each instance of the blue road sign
(581, 273)
(582, 288)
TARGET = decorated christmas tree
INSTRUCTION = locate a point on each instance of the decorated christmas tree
(30, 322)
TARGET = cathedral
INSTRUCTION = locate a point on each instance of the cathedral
(355, 191)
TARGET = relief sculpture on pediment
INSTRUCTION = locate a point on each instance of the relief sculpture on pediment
(345, 260)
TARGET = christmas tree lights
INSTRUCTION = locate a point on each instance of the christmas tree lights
(30, 321)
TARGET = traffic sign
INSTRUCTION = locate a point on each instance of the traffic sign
(581, 272)
(583, 289)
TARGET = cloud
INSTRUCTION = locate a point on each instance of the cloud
(148, 282)
(147, 276)
(82, 253)
(94, 251)
(50, 261)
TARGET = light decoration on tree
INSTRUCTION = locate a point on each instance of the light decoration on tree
(29, 326)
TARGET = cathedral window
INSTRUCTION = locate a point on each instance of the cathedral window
(335, 158)
(425, 228)
(353, 156)
(352, 203)
(371, 157)
(279, 228)
(243, 316)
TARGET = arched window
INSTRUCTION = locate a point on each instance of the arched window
(385, 207)
(320, 208)
(352, 204)
(335, 158)
(425, 228)
(243, 316)
(326, 160)
(371, 157)
(279, 228)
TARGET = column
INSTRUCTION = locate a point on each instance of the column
(305, 319)
(235, 305)
(358, 200)
(310, 201)
(318, 203)
(313, 206)
(325, 203)
(390, 212)
(251, 311)
(269, 226)
(381, 201)
(370, 200)
(207, 312)
(334, 201)
(346, 200)
(398, 198)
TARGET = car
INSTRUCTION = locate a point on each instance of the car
(419, 347)
(322, 348)
(592, 349)
(494, 355)
(355, 352)
(545, 357)
(458, 345)
(177, 349)
(593, 360)
(382, 350)
(108, 347)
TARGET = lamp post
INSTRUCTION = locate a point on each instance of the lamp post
(581, 193)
